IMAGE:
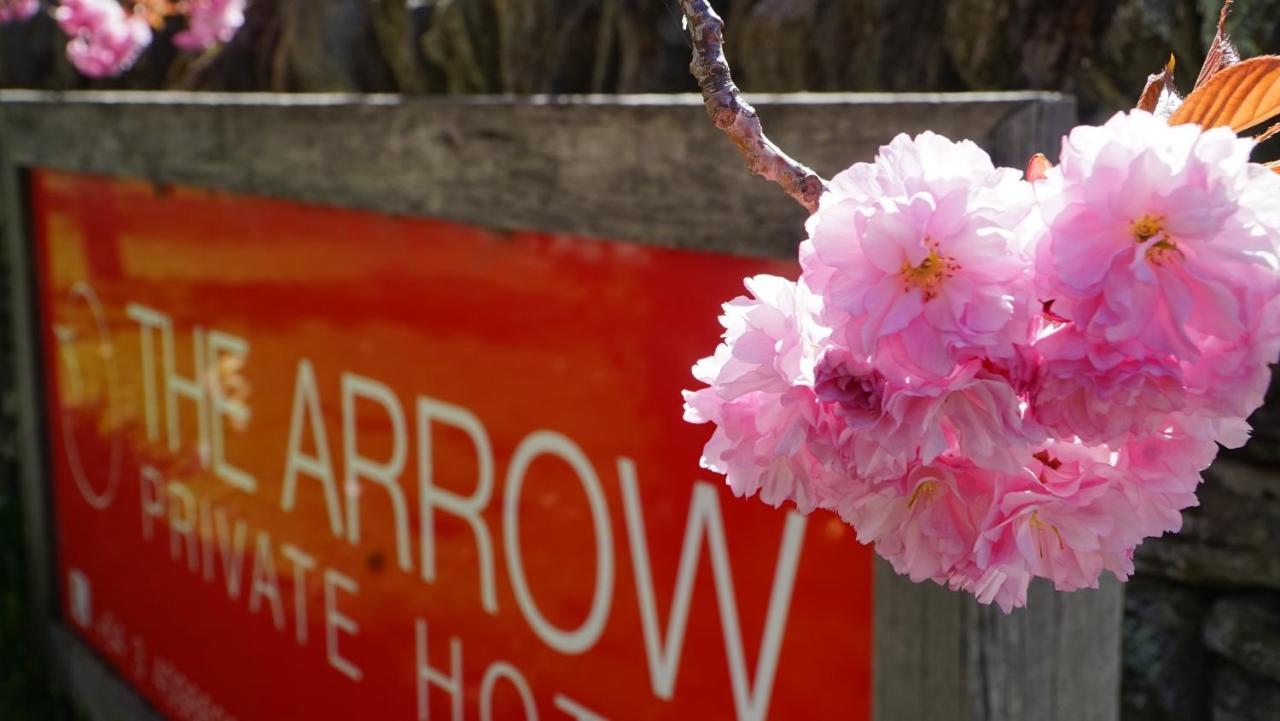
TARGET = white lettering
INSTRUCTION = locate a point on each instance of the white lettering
(207, 564)
(585, 636)
(386, 473)
(148, 321)
(182, 523)
(222, 345)
(231, 544)
(751, 702)
(335, 621)
(467, 507)
(428, 676)
(301, 564)
(500, 670)
(192, 389)
(306, 399)
(265, 583)
(151, 488)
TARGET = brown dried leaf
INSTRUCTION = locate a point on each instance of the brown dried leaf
(1156, 84)
(1240, 96)
(155, 11)
(1160, 96)
(1222, 53)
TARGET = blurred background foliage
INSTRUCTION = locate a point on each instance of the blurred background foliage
(1099, 50)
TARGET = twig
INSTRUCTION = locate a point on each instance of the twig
(735, 116)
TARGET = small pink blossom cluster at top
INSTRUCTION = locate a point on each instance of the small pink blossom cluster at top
(993, 379)
(12, 11)
(106, 39)
(210, 22)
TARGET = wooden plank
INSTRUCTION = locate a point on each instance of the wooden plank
(102, 695)
(942, 656)
(641, 168)
(37, 535)
(920, 649)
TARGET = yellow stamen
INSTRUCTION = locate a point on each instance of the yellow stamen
(1039, 525)
(1162, 250)
(928, 489)
(1147, 227)
(1152, 226)
(928, 276)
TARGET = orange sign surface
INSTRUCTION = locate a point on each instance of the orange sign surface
(311, 463)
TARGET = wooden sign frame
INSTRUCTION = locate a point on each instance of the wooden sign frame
(647, 169)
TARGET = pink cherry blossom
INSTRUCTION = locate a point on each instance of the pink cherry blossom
(855, 389)
(1090, 392)
(1058, 519)
(994, 381)
(1160, 243)
(1159, 476)
(15, 11)
(1149, 233)
(210, 22)
(924, 523)
(1160, 251)
(770, 424)
(1079, 510)
(972, 412)
(917, 259)
(1094, 392)
(1004, 586)
(105, 39)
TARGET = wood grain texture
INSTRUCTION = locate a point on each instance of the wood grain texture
(102, 696)
(942, 656)
(639, 168)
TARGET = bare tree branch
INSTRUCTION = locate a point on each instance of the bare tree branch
(735, 116)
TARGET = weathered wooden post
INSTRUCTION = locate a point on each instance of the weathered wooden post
(287, 368)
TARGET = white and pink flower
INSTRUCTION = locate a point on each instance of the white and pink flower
(1160, 253)
(210, 22)
(16, 11)
(926, 522)
(993, 380)
(917, 259)
(770, 424)
(105, 39)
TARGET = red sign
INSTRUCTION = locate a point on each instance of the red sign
(327, 464)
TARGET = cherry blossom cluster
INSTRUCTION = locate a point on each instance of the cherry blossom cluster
(12, 11)
(994, 379)
(106, 39)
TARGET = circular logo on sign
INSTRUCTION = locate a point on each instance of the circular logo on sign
(70, 339)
